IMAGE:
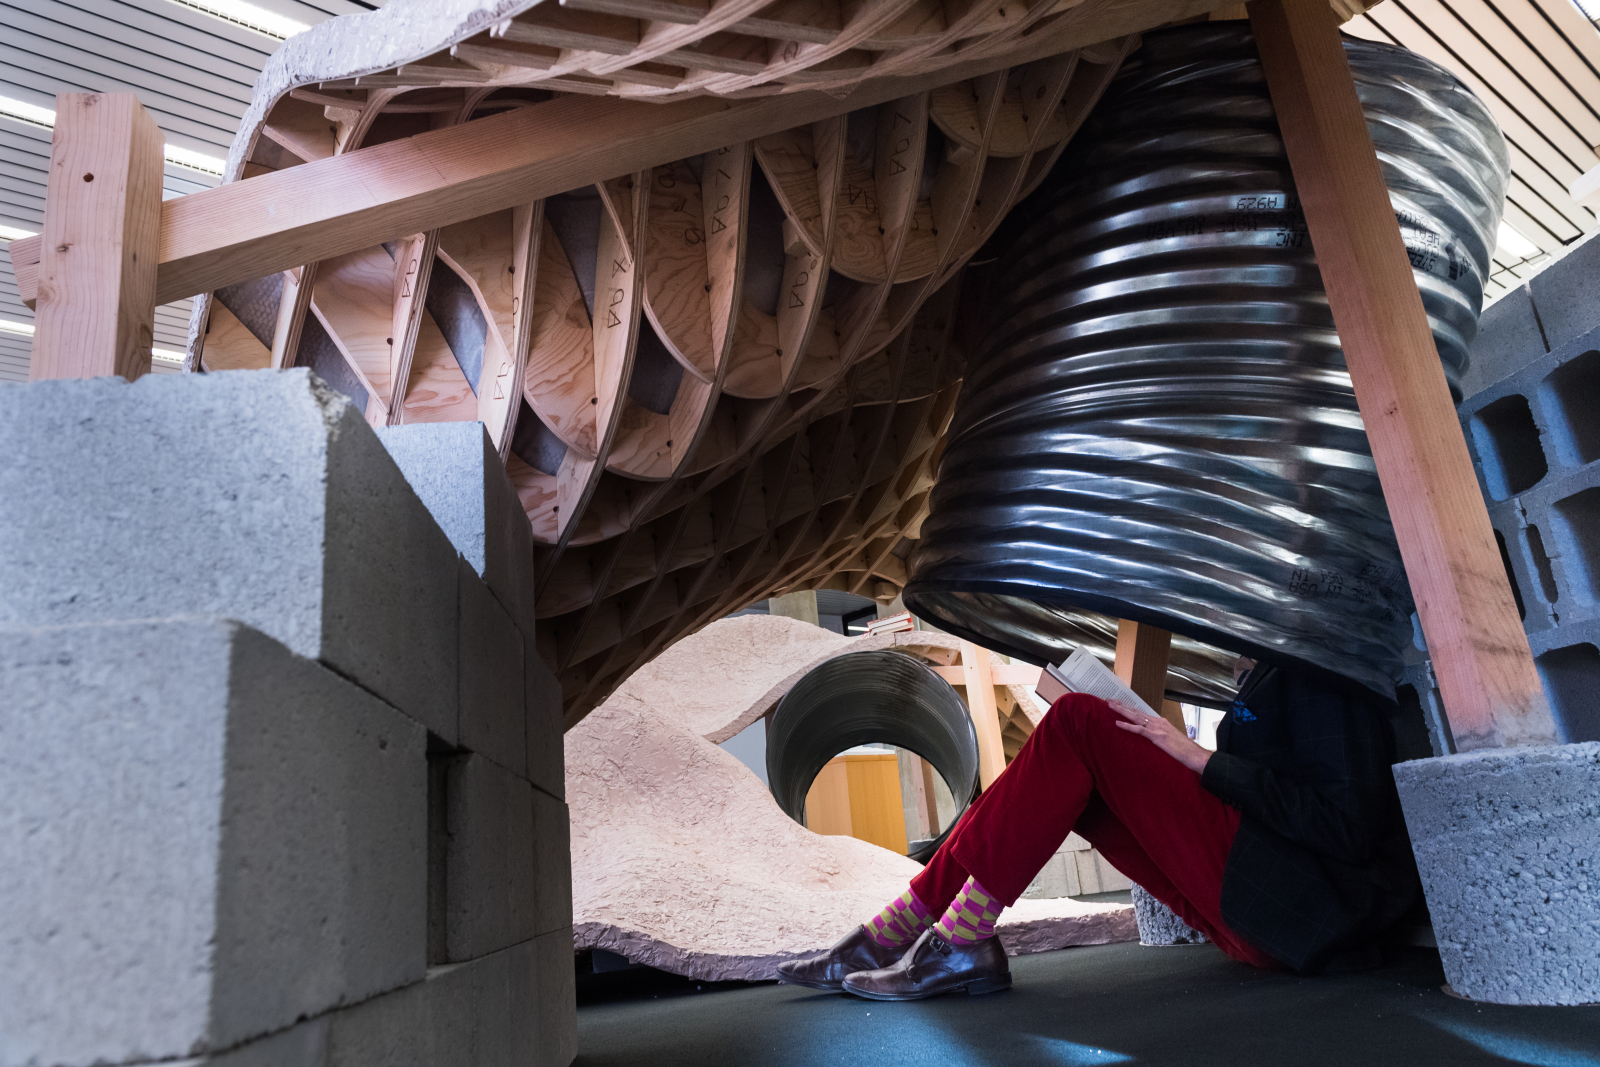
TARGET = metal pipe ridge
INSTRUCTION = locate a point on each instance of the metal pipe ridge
(1159, 424)
(876, 697)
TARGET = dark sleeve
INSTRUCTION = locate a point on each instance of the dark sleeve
(1333, 802)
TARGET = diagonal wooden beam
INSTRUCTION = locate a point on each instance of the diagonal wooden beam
(328, 207)
(1486, 673)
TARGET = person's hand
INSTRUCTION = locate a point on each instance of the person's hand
(1165, 736)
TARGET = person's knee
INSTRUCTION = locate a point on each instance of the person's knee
(1074, 715)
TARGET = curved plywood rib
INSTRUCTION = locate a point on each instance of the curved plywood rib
(716, 379)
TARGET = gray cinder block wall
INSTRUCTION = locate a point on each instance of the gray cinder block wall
(1532, 420)
(283, 773)
(1506, 840)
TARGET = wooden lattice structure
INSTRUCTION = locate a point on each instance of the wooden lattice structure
(670, 49)
(794, 448)
(711, 381)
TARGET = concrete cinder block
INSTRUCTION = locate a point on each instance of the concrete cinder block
(261, 496)
(454, 468)
(1508, 336)
(432, 1023)
(542, 698)
(304, 1045)
(552, 832)
(1507, 842)
(491, 869)
(556, 1041)
(1567, 295)
(206, 838)
(492, 721)
(512, 1008)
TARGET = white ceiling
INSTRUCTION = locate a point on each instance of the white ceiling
(192, 70)
(1536, 63)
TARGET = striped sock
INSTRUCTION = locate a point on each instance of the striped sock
(900, 923)
(970, 917)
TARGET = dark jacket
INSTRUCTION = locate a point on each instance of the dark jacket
(1321, 864)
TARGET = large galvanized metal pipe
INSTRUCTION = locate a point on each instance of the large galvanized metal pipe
(876, 697)
(1159, 424)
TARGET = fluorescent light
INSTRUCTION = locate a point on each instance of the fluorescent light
(174, 154)
(29, 113)
(11, 233)
(1518, 245)
(195, 160)
(23, 328)
(166, 355)
(267, 23)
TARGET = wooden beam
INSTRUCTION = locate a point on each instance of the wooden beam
(97, 261)
(1142, 654)
(979, 681)
(1480, 654)
(327, 207)
(1000, 674)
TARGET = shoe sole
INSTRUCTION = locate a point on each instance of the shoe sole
(976, 988)
(826, 987)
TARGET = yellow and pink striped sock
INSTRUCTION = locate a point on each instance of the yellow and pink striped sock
(970, 916)
(900, 923)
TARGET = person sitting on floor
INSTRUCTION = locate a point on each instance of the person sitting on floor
(1285, 846)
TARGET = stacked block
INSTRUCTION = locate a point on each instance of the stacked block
(1505, 839)
(285, 771)
(1532, 419)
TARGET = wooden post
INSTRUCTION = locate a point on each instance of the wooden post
(1480, 654)
(1141, 663)
(979, 681)
(102, 240)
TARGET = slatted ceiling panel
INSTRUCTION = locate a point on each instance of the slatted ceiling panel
(192, 71)
(24, 157)
(1536, 64)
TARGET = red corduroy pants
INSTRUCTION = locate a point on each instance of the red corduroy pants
(1145, 812)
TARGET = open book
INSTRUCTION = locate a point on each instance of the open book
(1082, 672)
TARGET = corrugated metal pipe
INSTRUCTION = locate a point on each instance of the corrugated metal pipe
(1159, 424)
(876, 697)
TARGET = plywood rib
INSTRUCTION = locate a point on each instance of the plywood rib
(722, 377)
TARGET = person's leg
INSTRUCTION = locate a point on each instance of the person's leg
(1153, 821)
(1120, 848)
(1140, 807)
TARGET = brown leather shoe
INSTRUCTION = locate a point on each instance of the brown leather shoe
(857, 952)
(934, 967)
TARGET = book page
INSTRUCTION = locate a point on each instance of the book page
(1084, 673)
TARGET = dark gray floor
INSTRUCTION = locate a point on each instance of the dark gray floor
(1104, 1004)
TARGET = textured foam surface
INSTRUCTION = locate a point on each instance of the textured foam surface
(683, 861)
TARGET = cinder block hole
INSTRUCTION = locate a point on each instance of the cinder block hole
(1511, 575)
(1571, 394)
(1572, 681)
(1577, 535)
(1541, 563)
(1508, 444)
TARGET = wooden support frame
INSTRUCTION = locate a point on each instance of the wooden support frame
(99, 250)
(339, 204)
(1143, 653)
(1487, 678)
(978, 678)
